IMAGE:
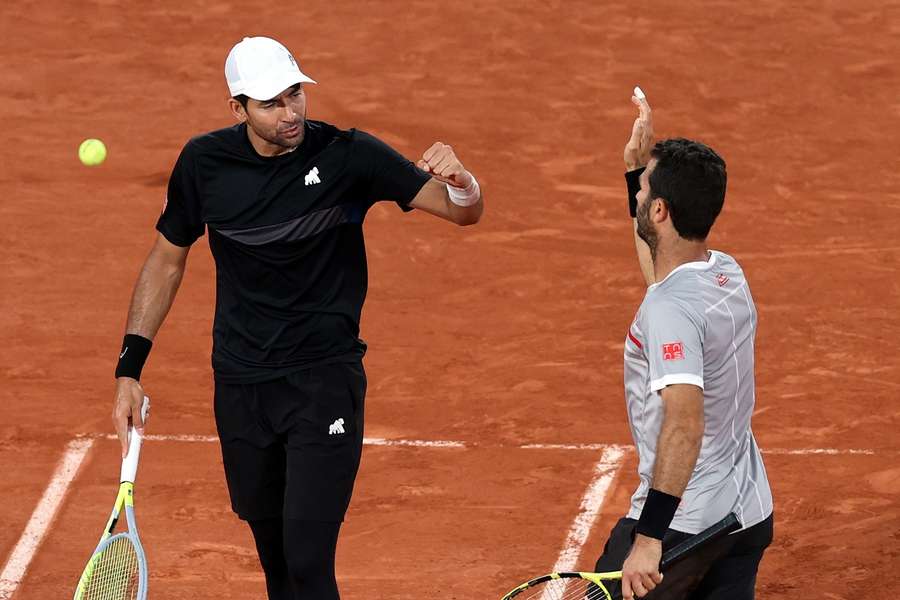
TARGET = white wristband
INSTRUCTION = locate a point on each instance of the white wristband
(466, 196)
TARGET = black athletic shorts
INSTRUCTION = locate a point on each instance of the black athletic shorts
(725, 569)
(291, 446)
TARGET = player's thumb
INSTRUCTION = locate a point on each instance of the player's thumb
(137, 419)
(120, 422)
(122, 433)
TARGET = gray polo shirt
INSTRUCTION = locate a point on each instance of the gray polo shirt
(697, 326)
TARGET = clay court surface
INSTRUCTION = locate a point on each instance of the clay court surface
(498, 337)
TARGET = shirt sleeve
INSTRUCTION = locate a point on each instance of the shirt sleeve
(674, 344)
(388, 174)
(181, 220)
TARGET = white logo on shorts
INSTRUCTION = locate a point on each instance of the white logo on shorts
(336, 428)
(312, 177)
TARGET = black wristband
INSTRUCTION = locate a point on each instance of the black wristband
(656, 516)
(633, 180)
(135, 350)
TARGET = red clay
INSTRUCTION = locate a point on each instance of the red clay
(507, 333)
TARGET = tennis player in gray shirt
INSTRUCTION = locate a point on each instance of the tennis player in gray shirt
(689, 384)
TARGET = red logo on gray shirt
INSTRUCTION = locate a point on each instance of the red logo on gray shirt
(673, 351)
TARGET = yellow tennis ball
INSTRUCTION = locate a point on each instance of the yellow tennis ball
(92, 152)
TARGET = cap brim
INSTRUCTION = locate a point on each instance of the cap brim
(276, 87)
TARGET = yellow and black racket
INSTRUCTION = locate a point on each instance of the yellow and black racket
(118, 569)
(592, 586)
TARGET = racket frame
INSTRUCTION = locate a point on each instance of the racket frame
(723, 527)
(124, 500)
(598, 579)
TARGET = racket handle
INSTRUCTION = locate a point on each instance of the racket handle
(724, 527)
(130, 462)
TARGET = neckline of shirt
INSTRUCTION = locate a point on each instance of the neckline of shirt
(696, 265)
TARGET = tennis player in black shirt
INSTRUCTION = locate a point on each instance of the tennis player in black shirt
(283, 200)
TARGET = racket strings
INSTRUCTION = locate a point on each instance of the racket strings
(114, 573)
(567, 589)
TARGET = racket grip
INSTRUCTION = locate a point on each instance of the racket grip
(724, 527)
(130, 462)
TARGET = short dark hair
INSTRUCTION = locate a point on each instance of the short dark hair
(691, 178)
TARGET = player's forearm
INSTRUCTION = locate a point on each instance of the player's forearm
(434, 198)
(153, 295)
(678, 447)
(465, 215)
(676, 455)
(464, 204)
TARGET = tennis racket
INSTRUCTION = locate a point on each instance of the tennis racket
(118, 569)
(592, 586)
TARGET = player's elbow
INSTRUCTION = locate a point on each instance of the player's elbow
(469, 217)
(466, 221)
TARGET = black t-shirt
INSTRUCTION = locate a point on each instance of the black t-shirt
(286, 235)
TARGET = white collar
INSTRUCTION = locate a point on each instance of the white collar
(697, 265)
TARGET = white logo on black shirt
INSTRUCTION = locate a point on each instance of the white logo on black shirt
(312, 177)
(336, 428)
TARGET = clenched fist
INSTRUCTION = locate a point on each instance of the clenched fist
(442, 164)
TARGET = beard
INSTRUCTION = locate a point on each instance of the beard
(276, 137)
(645, 230)
(290, 142)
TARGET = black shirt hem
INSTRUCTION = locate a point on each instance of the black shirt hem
(259, 375)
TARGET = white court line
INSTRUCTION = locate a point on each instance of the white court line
(173, 438)
(418, 443)
(591, 502)
(565, 446)
(829, 451)
(369, 441)
(604, 472)
(42, 516)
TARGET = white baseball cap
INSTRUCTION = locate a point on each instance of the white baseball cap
(261, 68)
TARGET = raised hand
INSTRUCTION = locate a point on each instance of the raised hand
(637, 150)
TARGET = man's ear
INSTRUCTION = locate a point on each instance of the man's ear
(660, 212)
(237, 110)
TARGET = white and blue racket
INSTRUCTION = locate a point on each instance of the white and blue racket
(117, 570)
